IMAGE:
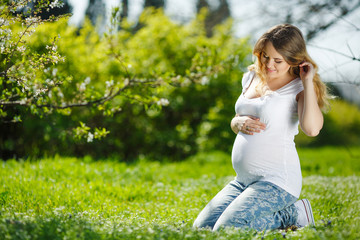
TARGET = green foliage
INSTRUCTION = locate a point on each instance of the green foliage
(84, 131)
(341, 127)
(73, 198)
(20, 64)
(97, 75)
(163, 66)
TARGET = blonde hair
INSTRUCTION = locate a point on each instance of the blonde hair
(289, 42)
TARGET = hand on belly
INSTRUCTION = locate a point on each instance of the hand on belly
(248, 124)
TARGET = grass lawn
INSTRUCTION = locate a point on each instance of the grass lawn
(69, 198)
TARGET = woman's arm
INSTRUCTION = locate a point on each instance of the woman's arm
(310, 115)
(246, 124)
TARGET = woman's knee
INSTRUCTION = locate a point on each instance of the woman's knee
(198, 223)
(201, 222)
(230, 221)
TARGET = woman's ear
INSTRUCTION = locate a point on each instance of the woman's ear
(294, 70)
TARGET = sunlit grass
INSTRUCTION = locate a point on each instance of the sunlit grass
(67, 198)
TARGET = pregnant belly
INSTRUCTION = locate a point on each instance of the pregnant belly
(257, 154)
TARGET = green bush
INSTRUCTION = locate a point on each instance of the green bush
(204, 75)
(341, 127)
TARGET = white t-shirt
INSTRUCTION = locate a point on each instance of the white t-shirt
(271, 154)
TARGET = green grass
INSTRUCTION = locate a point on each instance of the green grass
(68, 198)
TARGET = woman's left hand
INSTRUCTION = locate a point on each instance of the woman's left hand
(307, 72)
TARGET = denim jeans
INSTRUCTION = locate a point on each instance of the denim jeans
(261, 206)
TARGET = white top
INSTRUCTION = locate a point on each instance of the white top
(271, 154)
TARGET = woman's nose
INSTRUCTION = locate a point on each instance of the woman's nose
(269, 63)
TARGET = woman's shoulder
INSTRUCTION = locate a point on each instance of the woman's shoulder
(247, 78)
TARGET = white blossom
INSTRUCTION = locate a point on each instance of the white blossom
(82, 87)
(25, 87)
(52, 47)
(31, 20)
(55, 59)
(87, 80)
(39, 91)
(4, 22)
(56, 3)
(163, 102)
(21, 48)
(109, 83)
(60, 94)
(204, 80)
(90, 137)
(54, 71)
(29, 32)
(6, 34)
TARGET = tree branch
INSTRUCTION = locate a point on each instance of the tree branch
(342, 18)
(132, 82)
(337, 52)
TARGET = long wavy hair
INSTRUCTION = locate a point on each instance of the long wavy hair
(290, 44)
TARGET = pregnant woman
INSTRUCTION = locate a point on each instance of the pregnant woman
(281, 90)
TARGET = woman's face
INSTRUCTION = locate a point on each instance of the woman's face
(275, 65)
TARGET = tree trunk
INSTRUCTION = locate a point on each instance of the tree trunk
(214, 17)
(125, 9)
(154, 3)
(96, 11)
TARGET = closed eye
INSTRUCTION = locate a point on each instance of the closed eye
(267, 57)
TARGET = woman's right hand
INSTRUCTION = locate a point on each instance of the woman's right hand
(247, 124)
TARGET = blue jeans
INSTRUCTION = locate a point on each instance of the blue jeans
(260, 206)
